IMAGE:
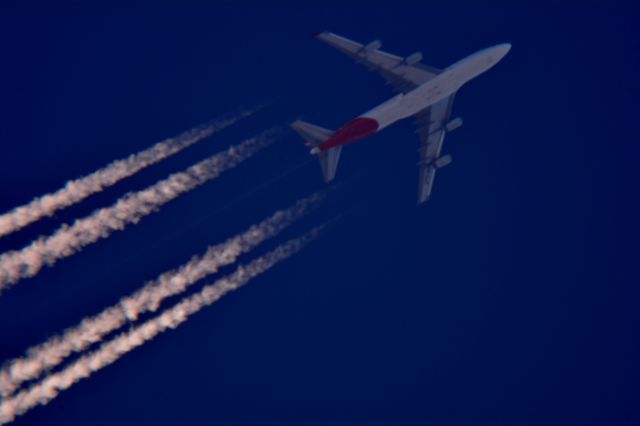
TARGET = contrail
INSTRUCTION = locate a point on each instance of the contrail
(77, 190)
(48, 388)
(67, 240)
(43, 357)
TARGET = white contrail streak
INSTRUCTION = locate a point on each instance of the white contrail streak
(44, 357)
(48, 388)
(77, 190)
(67, 240)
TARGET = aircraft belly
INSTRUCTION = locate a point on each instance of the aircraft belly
(397, 108)
(433, 92)
(403, 106)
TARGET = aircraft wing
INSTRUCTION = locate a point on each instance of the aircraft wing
(403, 74)
(432, 126)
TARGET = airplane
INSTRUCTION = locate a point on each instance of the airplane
(424, 92)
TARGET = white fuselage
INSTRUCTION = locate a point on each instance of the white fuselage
(438, 88)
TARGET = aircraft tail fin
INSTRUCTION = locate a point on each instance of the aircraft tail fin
(313, 136)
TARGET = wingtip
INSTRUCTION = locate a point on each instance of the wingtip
(316, 33)
(423, 199)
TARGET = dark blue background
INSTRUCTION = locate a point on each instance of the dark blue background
(510, 298)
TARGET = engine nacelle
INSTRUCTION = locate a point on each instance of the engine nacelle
(413, 58)
(443, 161)
(453, 124)
(374, 45)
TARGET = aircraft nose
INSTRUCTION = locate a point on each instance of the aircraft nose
(502, 50)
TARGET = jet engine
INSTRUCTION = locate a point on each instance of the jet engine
(443, 161)
(374, 45)
(453, 124)
(413, 58)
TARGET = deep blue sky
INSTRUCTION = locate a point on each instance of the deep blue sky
(510, 298)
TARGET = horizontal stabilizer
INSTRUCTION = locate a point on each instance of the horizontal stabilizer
(313, 136)
(329, 162)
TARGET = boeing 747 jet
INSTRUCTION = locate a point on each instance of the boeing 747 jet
(424, 92)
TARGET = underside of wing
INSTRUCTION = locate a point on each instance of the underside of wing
(432, 125)
(403, 74)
